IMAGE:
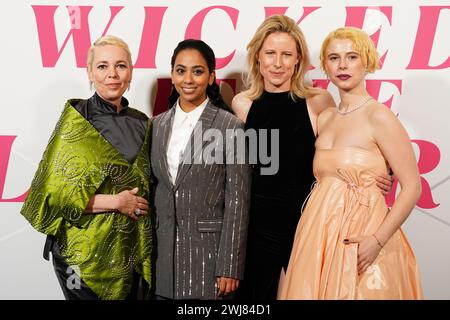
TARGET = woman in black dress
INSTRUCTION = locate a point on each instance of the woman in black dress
(278, 99)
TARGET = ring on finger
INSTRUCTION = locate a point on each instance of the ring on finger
(137, 212)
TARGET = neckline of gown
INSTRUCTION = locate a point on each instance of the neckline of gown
(358, 149)
(275, 96)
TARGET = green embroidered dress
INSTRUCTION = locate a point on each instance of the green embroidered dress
(77, 164)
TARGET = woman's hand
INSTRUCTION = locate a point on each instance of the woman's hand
(384, 183)
(368, 250)
(226, 286)
(130, 204)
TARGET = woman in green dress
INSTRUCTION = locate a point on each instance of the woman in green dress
(89, 192)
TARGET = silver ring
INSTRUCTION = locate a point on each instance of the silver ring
(137, 212)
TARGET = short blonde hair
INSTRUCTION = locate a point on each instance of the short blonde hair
(362, 44)
(254, 80)
(104, 41)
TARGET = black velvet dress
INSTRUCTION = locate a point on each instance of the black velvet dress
(276, 200)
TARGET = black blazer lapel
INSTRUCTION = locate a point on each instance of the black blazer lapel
(193, 151)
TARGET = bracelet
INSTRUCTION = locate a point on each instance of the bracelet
(378, 241)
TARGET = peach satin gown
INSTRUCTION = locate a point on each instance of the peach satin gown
(346, 203)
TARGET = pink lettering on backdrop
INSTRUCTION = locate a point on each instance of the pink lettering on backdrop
(194, 29)
(426, 32)
(163, 92)
(5, 152)
(374, 86)
(79, 32)
(429, 157)
(321, 83)
(150, 37)
(356, 17)
(270, 11)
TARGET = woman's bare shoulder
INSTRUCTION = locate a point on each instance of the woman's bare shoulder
(241, 104)
(380, 113)
(325, 114)
(320, 101)
(324, 117)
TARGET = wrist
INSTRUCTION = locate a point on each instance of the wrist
(115, 202)
(379, 243)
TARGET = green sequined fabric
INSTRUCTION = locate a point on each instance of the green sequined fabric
(77, 164)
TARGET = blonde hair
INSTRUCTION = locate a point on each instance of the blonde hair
(104, 41)
(254, 80)
(362, 44)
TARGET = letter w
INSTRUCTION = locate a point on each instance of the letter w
(79, 31)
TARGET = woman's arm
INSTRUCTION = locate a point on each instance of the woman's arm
(384, 182)
(321, 101)
(395, 145)
(125, 202)
(230, 261)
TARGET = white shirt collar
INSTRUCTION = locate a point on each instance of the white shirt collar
(192, 116)
(182, 128)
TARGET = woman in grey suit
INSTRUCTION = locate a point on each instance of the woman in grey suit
(201, 184)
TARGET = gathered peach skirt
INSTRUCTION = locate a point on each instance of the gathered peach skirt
(346, 203)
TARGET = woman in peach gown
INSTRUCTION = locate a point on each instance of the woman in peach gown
(348, 245)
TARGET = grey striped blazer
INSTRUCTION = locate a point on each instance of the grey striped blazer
(201, 220)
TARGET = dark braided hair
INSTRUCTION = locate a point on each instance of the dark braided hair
(212, 91)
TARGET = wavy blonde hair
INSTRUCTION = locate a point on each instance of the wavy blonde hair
(362, 44)
(254, 81)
